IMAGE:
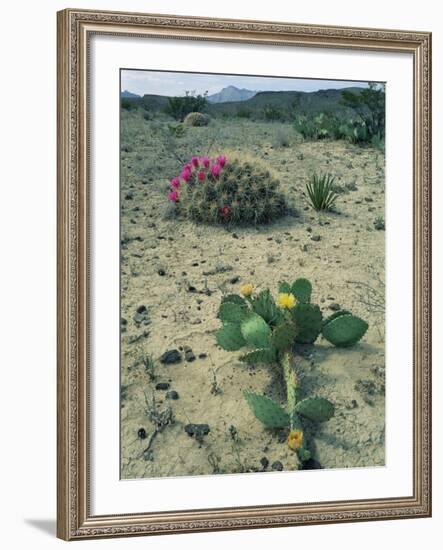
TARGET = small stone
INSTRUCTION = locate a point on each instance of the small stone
(277, 466)
(172, 395)
(264, 462)
(334, 306)
(171, 357)
(234, 236)
(141, 433)
(141, 316)
(161, 272)
(202, 355)
(316, 238)
(354, 404)
(234, 280)
(189, 354)
(162, 386)
(197, 430)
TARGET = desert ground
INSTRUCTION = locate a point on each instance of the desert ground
(174, 273)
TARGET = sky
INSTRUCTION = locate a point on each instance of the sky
(176, 84)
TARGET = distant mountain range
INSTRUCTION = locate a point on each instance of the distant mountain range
(231, 93)
(126, 93)
(284, 104)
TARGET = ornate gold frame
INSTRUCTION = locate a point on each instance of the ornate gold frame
(75, 27)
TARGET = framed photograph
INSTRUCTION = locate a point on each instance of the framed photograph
(244, 238)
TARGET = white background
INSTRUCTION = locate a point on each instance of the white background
(28, 273)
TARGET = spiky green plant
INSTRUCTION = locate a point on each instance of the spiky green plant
(196, 119)
(227, 190)
(320, 190)
(271, 329)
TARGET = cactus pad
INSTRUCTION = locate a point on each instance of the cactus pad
(229, 337)
(302, 289)
(308, 319)
(266, 410)
(335, 315)
(315, 408)
(345, 330)
(255, 331)
(284, 335)
(267, 356)
(284, 287)
(232, 313)
(234, 299)
(264, 306)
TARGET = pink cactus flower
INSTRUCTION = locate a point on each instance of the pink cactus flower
(225, 211)
(173, 196)
(221, 159)
(215, 170)
(187, 166)
(206, 162)
(186, 175)
(201, 176)
(195, 161)
(175, 182)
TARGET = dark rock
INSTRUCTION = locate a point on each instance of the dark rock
(316, 238)
(189, 354)
(311, 464)
(162, 386)
(141, 433)
(129, 196)
(234, 236)
(264, 462)
(141, 316)
(277, 466)
(172, 395)
(171, 357)
(123, 324)
(197, 430)
(161, 272)
(202, 355)
(334, 306)
(234, 280)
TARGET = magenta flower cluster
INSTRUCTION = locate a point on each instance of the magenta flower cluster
(197, 170)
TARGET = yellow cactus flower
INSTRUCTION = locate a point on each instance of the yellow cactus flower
(286, 300)
(247, 289)
(295, 439)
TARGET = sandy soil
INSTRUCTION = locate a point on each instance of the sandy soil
(179, 270)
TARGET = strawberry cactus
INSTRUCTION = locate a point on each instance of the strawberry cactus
(270, 330)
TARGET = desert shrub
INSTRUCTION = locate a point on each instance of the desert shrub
(321, 193)
(320, 126)
(244, 113)
(369, 106)
(179, 107)
(282, 138)
(221, 190)
(272, 113)
(127, 104)
(196, 119)
(177, 130)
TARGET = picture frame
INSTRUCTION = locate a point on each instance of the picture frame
(76, 28)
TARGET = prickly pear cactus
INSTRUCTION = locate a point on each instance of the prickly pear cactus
(230, 338)
(265, 356)
(283, 336)
(302, 289)
(272, 329)
(266, 410)
(344, 330)
(315, 408)
(308, 319)
(256, 331)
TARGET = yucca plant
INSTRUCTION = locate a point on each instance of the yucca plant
(320, 189)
